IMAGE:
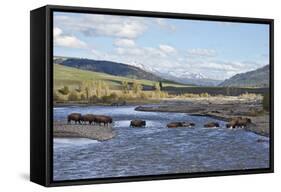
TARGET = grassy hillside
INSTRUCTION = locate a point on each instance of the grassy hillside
(256, 78)
(72, 77)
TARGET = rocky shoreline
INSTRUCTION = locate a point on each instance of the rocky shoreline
(222, 108)
(100, 133)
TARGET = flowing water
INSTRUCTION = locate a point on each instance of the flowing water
(155, 149)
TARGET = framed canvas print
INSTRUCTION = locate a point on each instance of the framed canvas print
(122, 95)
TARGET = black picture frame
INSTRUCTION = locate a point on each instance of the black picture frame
(41, 105)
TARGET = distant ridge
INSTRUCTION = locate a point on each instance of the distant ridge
(109, 67)
(256, 78)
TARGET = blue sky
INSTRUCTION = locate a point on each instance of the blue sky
(176, 47)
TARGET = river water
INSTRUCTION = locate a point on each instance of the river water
(155, 149)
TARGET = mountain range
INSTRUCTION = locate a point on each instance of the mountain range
(134, 70)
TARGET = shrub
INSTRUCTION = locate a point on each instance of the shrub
(73, 96)
(113, 96)
(265, 101)
(64, 90)
(94, 99)
(136, 87)
(190, 95)
(164, 94)
(79, 89)
(125, 87)
(143, 95)
(83, 97)
(106, 99)
(161, 85)
(204, 95)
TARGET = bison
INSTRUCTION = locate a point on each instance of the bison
(88, 118)
(187, 124)
(238, 122)
(123, 103)
(137, 123)
(212, 125)
(180, 124)
(76, 117)
(174, 124)
(103, 119)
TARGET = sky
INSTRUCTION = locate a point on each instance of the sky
(177, 47)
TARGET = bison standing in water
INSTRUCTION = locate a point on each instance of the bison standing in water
(137, 123)
(88, 118)
(180, 124)
(212, 125)
(237, 122)
(103, 119)
(76, 117)
(174, 125)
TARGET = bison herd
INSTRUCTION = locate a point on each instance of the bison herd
(89, 119)
(236, 122)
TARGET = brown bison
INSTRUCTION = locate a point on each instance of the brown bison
(137, 123)
(99, 119)
(174, 124)
(187, 124)
(180, 124)
(238, 122)
(212, 125)
(76, 117)
(88, 118)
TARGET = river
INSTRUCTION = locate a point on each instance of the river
(155, 149)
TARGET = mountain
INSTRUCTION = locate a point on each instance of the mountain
(136, 70)
(256, 78)
(108, 67)
(72, 77)
(191, 79)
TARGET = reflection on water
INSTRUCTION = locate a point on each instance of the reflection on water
(155, 149)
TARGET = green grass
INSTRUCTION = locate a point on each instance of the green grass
(72, 77)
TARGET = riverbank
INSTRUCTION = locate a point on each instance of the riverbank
(127, 103)
(100, 133)
(221, 108)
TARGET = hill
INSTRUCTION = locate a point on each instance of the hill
(72, 77)
(109, 67)
(256, 78)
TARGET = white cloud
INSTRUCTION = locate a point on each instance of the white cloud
(104, 25)
(130, 51)
(157, 60)
(98, 55)
(124, 43)
(163, 24)
(112, 26)
(57, 32)
(63, 40)
(167, 48)
(123, 31)
(197, 52)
